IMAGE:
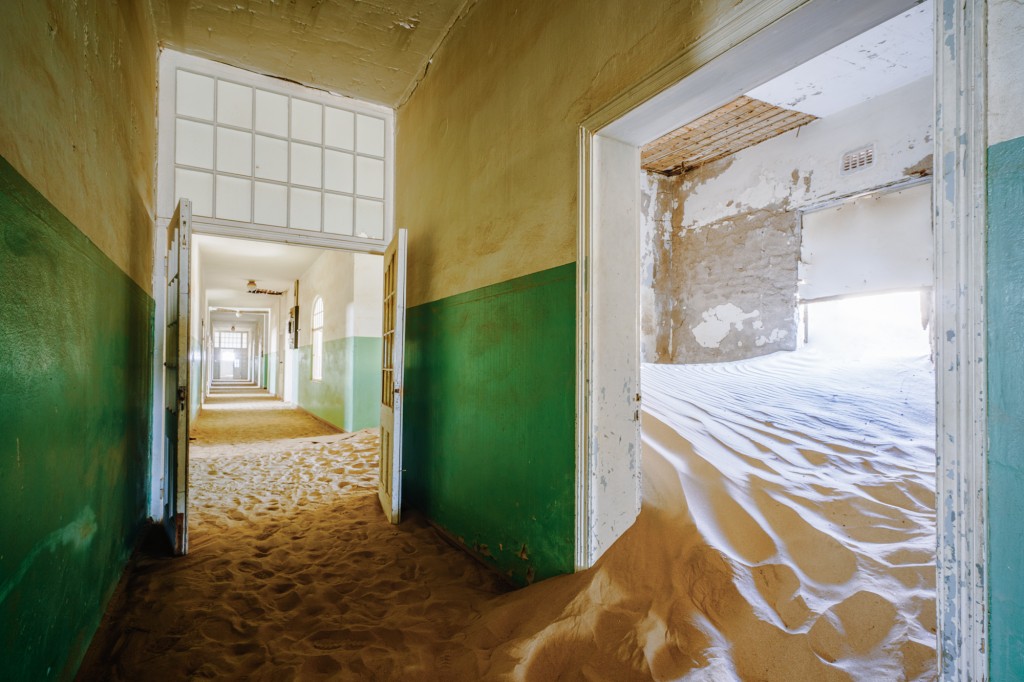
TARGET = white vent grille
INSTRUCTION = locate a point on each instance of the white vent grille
(858, 159)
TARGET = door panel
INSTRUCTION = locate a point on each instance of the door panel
(389, 488)
(176, 377)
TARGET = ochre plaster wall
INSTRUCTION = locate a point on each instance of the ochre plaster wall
(486, 158)
(77, 118)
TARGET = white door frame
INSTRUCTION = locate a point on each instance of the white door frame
(157, 455)
(749, 46)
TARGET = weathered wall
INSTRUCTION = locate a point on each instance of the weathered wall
(498, 475)
(1005, 299)
(720, 245)
(350, 285)
(78, 117)
(721, 291)
(487, 166)
(76, 318)
(76, 348)
(375, 51)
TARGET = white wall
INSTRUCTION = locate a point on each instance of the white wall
(802, 167)
(720, 244)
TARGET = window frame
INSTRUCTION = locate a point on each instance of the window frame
(171, 61)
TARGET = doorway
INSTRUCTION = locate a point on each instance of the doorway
(609, 358)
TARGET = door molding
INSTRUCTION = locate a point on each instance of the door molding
(960, 341)
(755, 43)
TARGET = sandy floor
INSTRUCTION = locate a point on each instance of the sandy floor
(293, 572)
(787, 534)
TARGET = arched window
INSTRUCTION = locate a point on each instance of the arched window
(318, 339)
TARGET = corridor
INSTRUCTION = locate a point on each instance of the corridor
(293, 572)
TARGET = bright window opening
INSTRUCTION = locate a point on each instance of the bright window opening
(274, 155)
(318, 339)
(880, 325)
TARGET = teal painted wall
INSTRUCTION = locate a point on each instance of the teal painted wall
(349, 394)
(1005, 298)
(75, 389)
(489, 443)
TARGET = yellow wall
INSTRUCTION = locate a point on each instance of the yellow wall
(487, 145)
(77, 117)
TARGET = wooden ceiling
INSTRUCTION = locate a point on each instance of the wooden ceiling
(737, 125)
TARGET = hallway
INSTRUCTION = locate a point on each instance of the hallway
(293, 572)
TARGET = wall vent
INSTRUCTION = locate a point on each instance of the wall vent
(858, 160)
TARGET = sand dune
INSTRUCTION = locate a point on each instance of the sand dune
(787, 533)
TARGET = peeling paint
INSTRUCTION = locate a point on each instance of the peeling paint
(718, 322)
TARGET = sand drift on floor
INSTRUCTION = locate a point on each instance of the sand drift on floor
(787, 533)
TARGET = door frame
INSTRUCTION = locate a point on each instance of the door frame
(157, 455)
(749, 46)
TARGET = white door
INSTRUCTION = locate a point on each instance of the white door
(176, 393)
(389, 488)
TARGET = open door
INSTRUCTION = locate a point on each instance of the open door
(389, 488)
(176, 366)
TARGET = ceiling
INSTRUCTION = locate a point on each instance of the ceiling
(737, 125)
(226, 266)
(880, 60)
(374, 50)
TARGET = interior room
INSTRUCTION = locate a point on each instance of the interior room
(542, 500)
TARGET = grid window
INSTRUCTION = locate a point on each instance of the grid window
(318, 339)
(247, 154)
(232, 340)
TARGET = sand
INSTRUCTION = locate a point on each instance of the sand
(787, 533)
(293, 572)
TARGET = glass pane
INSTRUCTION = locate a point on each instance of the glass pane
(195, 186)
(306, 165)
(193, 144)
(369, 218)
(369, 135)
(234, 196)
(340, 127)
(305, 209)
(306, 121)
(271, 158)
(370, 177)
(338, 171)
(337, 214)
(194, 95)
(234, 104)
(271, 113)
(271, 204)
(234, 151)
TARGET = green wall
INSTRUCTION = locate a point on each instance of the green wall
(1005, 298)
(489, 442)
(75, 367)
(349, 394)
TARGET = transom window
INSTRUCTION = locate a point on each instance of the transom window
(318, 339)
(256, 150)
(232, 340)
